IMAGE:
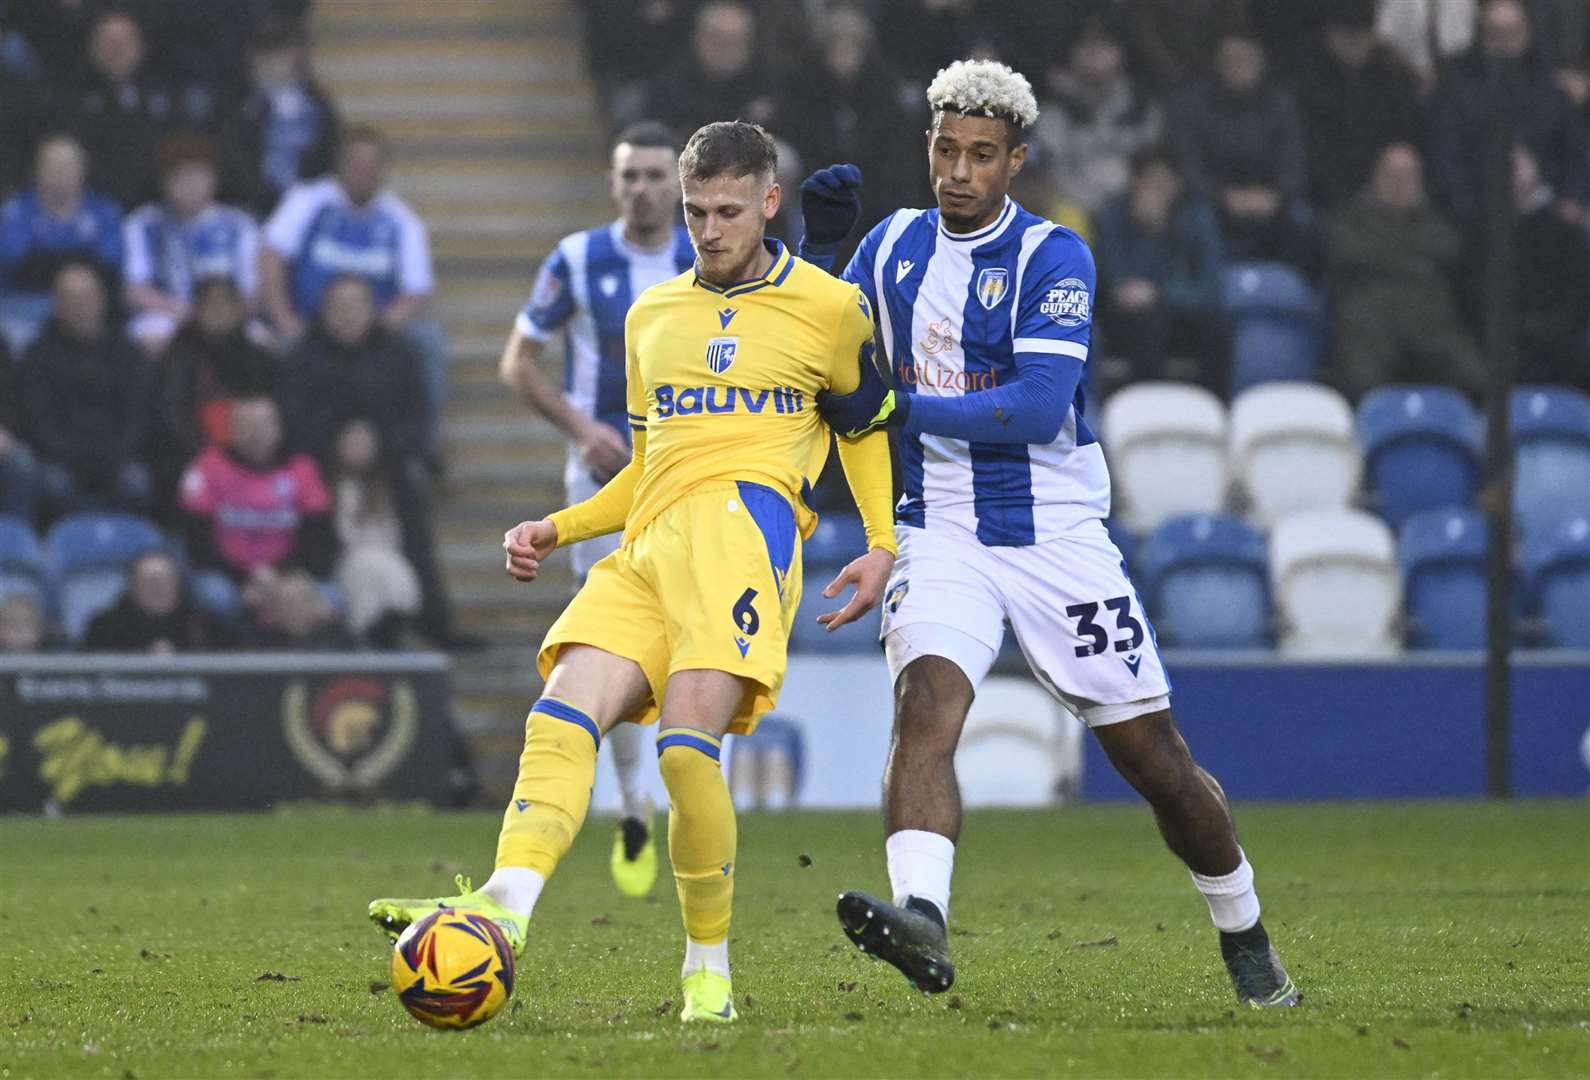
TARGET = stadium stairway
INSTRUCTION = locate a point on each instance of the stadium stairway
(498, 144)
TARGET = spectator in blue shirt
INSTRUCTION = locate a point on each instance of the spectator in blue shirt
(350, 223)
(1159, 259)
(42, 228)
(184, 239)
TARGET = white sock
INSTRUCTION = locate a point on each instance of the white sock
(714, 958)
(1233, 905)
(629, 743)
(920, 864)
(516, 888)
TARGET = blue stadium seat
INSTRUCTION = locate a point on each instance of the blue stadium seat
(1557, 567)
(805, 635)
(1421, 449)
(1277, 324)
(1443, 572)
(1551, 437)
(1209, 583)
(88, 557)
(1124, 541)
(21, 560)
(837, 539)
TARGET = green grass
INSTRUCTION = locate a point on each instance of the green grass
(1431, 940)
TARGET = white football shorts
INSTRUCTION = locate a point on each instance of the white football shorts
(1076, 615)
(580, 486)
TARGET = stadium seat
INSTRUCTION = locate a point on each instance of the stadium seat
(1443, 578)
(88, 557)
(1166, 444)
(805, 635)
(838, 538)
(1208, 583)
(1277, 324)
(1293, 448)
(1124, 541)
(1557, 568)
(1551, 438)
(21, 561)
(1421, 449)
(1333, 574)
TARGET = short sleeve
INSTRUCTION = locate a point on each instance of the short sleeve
(247, 256)
(109, 245)
(198, 497)
(1054, 310)
(313, 498)
(137, 264)
(284, 232)
(853, 345)
(864, 261)
(416, 277)
(551, 300)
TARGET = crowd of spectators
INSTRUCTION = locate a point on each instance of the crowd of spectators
(214, 314)
(1341, 138)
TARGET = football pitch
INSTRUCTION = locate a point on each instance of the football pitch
(1431, 939)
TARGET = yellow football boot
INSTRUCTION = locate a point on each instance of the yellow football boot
(709, 998)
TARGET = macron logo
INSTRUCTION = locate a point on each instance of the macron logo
(1132, 664)
(726, 316)
(901, 269)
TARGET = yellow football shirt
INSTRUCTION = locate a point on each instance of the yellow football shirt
(722, 386)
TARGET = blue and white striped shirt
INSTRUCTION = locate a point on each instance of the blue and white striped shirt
(588, 284)
(221, 241)
(961, 313)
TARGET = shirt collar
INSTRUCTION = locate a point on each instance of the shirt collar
(777, 271)
(1007, 214)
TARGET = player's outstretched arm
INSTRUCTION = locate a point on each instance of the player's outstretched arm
(530, 542)
(830, 208)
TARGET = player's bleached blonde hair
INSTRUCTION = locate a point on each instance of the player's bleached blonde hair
(984, 88)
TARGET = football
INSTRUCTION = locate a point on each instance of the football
(453, 969)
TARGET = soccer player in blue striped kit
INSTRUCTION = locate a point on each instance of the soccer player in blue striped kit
(985, 314)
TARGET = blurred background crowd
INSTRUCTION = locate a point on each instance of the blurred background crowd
(1337, 137)
(215, 328)
(213, 317)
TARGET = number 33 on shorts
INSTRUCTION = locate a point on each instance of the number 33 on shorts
(1098, 639)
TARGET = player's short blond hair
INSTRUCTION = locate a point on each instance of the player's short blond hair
(984, 88)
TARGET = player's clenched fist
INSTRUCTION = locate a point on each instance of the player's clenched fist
(528, 544)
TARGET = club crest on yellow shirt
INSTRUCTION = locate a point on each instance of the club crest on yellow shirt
(720, 354)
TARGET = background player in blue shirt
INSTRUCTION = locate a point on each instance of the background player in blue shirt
(585, 289)
(985, 313)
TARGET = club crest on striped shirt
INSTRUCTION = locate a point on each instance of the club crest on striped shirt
(991, 285)
(720, 354)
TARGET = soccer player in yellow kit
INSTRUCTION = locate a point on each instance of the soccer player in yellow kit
(688, 622)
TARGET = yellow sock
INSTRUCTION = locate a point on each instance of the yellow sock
(701, 831)
(553, 791)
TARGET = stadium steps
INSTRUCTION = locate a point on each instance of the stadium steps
(497, 142)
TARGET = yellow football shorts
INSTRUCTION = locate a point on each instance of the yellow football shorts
(710, 583)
